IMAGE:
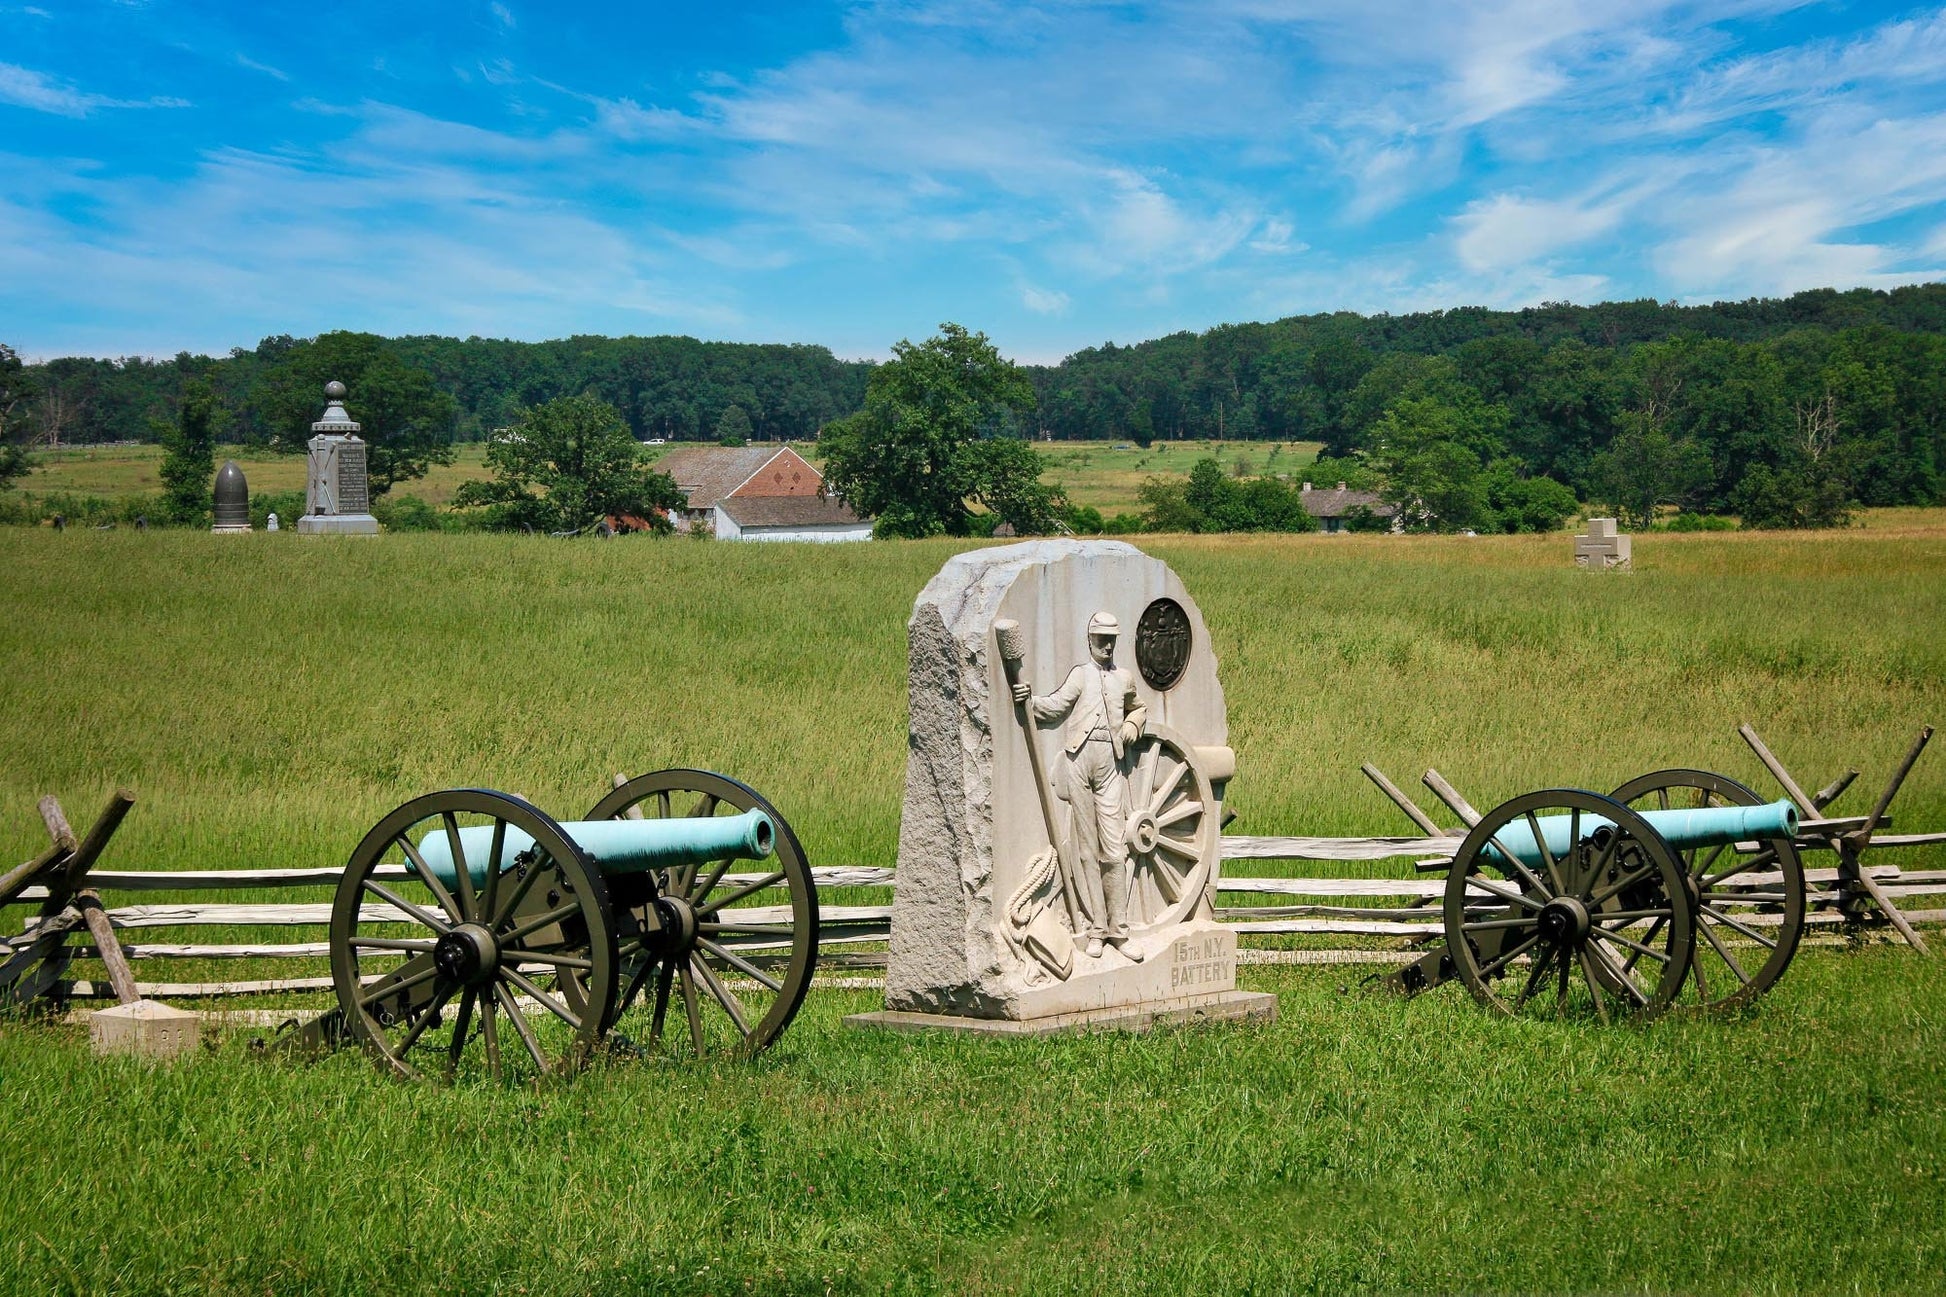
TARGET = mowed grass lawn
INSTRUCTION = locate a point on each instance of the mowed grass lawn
(270, 697)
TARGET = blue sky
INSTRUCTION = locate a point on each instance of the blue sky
(200, 175)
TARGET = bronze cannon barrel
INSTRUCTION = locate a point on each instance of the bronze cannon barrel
(616, 846)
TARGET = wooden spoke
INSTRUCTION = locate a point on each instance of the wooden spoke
(417, 945)
(1607, 934)
(520, 1025)
(535, 924)
(1497, 925)
(1551, 866)
(1494, 889)
(1508, 957)
(391, 897)
(541, 997)
(426, 1019)
(391, 985)
(1724, 954)
(1535, 977)
(461, 1022)
(731, 1006)
(696, 893)
(523, 883)
(766, 881)
(1767, 856)
(689, 1007)
(463, 869)
(662, 984)
(513, 958)
(490, 1033)
(1146, 769)
(1166, 843)
(431, 880)
(1731, 923)
(1594, 986)
(494, 871)
(741, 964)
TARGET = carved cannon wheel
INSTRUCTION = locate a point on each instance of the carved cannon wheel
(468, 975)
(1730, 888)
(1172, 829)
(730, 947)
(1593, 927)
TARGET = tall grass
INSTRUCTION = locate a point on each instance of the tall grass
(269, 698)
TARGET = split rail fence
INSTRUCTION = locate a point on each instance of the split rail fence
(1286, 919)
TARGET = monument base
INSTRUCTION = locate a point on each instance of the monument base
(337, 524)
(1224, 1006)
(243, 530)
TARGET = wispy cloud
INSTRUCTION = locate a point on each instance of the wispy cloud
(26, 88)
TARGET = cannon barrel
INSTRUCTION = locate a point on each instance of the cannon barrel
(1710, 826)
(616, 846)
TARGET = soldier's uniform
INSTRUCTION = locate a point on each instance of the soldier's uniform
(1097, 702)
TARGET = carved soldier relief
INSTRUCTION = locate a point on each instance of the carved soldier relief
(1068, 757)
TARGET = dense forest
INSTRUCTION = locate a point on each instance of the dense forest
(1789, 408)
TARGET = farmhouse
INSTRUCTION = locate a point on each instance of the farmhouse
(771, 494)
(1333, 508)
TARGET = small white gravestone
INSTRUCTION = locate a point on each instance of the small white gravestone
(337, 494)
(146, 1028)
(1068, 755)
(270, 524)
(1602, 547)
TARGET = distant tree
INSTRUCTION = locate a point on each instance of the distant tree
(189, 462)
(404, 418)
(1427, 454)
(932, 442)
(1645, 467)
(565, 465)
(1213, 501)
(17, 392)
(733, 427)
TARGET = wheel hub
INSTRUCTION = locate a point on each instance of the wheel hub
(677, 920)
(467, 954)
(1563, 921)
(1142, 832)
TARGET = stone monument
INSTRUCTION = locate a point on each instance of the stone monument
(1603, 546)
(1068, 755)
(232, 501)
(337, 496)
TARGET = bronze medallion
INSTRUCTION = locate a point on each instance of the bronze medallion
(1162, 643)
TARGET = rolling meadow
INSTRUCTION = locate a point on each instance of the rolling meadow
(269, 698)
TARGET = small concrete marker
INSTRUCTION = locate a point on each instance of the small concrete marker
(144, 1028)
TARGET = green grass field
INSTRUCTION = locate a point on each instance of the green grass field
(270, 697)
(1097, 473)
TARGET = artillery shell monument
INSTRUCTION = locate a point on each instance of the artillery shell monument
(1058, 851)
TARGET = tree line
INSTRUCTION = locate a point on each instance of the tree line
(1785, 411)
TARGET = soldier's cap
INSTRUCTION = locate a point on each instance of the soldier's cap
(1104, 623)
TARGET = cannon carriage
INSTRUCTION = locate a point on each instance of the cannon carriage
(470, 930)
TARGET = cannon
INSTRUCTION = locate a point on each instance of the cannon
(471, 931)
(1682, 887)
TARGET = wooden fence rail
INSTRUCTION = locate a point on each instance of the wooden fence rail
(1315, 915)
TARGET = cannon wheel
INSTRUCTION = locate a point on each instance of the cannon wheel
(732, 947)
(426, 972)
(1595, 925)
(1726, 895)
(1172, 827)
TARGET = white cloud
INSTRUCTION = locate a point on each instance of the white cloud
(245, 61)
(503, 15)
(1506, 231)
(27, 88)
(1043, 301)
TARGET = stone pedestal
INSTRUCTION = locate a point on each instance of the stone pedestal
(145, 1028)
(337, 492)
(997, 919)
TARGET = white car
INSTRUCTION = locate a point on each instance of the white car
(654, 441)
